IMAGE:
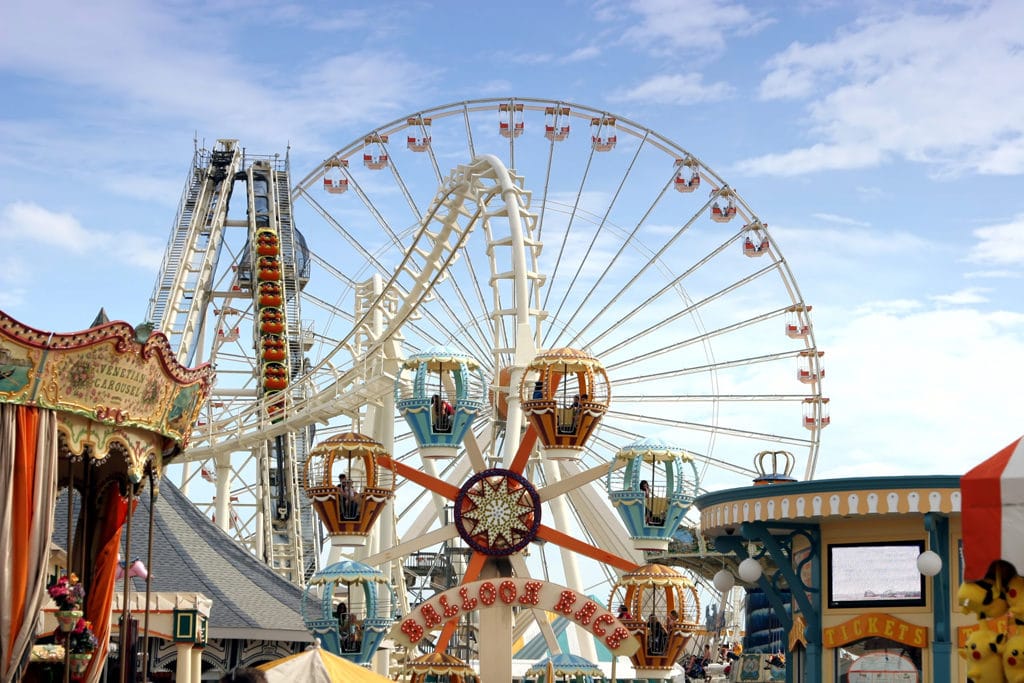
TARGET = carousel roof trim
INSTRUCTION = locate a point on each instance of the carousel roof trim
(440, 354)
(566, 664)
(113, 364)
(348, 571)
(896, 483)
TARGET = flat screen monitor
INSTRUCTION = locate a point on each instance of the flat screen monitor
(882, 574)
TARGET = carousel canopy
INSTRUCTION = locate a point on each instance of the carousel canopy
(440, 663)
(566, 359)
(316, 665)
(85, 373)
(565, 664)
(653, 449)
(654, 575)
(348, 571)
(350, 441)
(438, 358)
(992, 500)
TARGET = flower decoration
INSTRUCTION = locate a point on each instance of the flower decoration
(80, 374)
(67, 592)
(151, 393)
(80, 640)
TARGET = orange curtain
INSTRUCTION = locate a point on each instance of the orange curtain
(28, 490)
(101, 590)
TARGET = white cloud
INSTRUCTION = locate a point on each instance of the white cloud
(12, 297)
(887, 307)
(678, 89)
(143, 186)
(925, 392)
(26, 223)
(970, 295)
(22, 221)
(139, 62)
(582, 54)
(13, 276)
(841, 220)
(1000, 245)
(854, 241)
(698, 26)
(993, 274)
(496, 87)
(870, 194)
(815, 158)
(939, 89)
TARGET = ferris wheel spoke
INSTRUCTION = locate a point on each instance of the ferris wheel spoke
(668, 287)
(702, 369)
(414, 544)
(564, 485)
(432, 155)
(537, 616)
(704, 427)
(331, 270)
(545, 189)
(351, 240)
(332, 310)
(628, 241)
(459, 320)
(602, 223)
(425, 480)
(708, 460)
(375, 213)
(404, 188)
(697, 339)
(575, 545)
(467, 309)
(473, 569)
(568, 228)
(695, 307)
(468, 130)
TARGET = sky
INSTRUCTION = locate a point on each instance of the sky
(882, 142)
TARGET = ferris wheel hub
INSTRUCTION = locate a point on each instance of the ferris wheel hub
(497, 512)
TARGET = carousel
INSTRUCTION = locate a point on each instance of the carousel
(95, 416)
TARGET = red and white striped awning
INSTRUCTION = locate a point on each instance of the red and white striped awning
(992, 504)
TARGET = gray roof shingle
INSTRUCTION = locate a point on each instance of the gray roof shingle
(192, 555)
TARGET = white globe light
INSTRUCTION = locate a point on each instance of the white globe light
(929, 563)
(724, 580)
(750, 570)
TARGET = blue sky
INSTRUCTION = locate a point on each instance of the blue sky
(883, 145)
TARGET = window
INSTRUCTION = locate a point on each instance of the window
(880, 574)
(877, 659)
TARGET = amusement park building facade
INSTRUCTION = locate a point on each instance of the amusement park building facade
(841, 569)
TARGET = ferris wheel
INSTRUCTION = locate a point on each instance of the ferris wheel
(500, 228)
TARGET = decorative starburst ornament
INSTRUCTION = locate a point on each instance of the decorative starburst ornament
(497, 512)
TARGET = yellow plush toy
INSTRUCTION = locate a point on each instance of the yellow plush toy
(1013, 659)
(982, 598)
(983, 653)
(1015, 598)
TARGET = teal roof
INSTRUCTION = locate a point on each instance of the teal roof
(537, 647)
(566, 664)
(933, 481)
(348, 571)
